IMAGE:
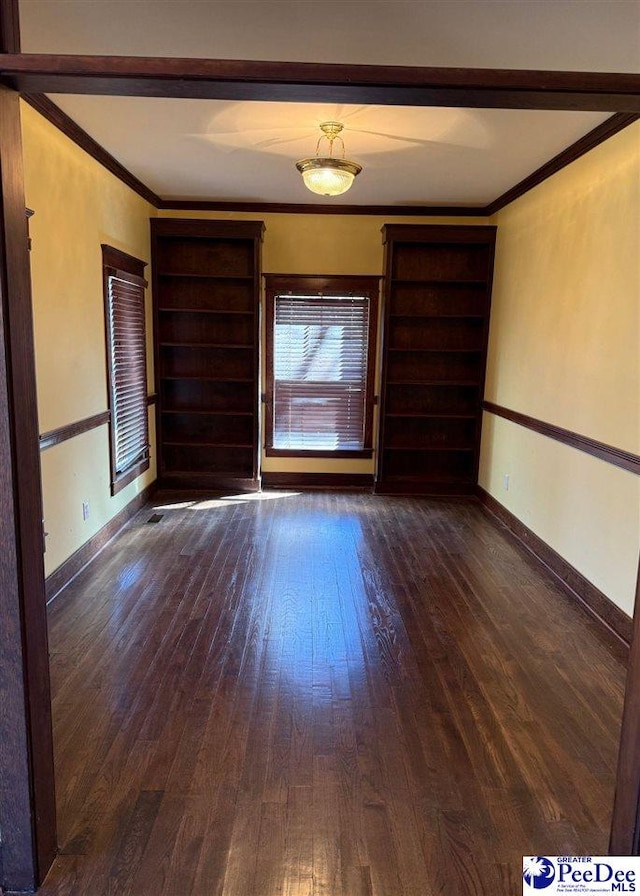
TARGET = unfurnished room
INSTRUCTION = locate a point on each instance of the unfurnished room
(320, 440)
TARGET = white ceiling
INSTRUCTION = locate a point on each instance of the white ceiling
(245, 151)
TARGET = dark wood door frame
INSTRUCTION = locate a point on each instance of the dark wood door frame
(27, 805)
(625, 825)
(27, 796)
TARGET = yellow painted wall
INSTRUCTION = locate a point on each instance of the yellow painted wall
(322, 244)
(78, 206)
(564, 347)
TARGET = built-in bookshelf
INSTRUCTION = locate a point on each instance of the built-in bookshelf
(206, 277)
(437, 300)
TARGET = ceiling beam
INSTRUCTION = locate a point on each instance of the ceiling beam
(317, 82)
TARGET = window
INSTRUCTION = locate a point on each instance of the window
(321, 337)
(124, 286)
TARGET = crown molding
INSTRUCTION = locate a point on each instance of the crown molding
(310, 208)
(53, 113)
(81, 138)
(598, 135)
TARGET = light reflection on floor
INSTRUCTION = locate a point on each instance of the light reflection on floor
(225, 501)
(316, 593)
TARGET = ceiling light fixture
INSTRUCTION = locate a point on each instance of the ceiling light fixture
(327, 175)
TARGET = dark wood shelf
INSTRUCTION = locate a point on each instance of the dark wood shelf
(431, 383)
(213, 379)
(204, 311)
(210, 413)
(434, 281)
(430, 416)
(437, 290)
(196, 444)
(216, 277)
(457, 449)
(206, 300)
(437, 351)
(397, 316)
(419, 478)
(240, 345)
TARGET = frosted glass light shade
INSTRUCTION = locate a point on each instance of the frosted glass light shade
(328, 177)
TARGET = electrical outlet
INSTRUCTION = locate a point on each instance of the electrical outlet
(506, 479)
(85, 510)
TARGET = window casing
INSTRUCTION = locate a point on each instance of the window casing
(124, 285)
(321, 343)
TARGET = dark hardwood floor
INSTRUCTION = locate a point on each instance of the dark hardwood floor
(324, 695)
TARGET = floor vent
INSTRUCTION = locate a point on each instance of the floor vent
(155, 518)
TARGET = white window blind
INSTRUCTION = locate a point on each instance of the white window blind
(320, 372)
(128, 372)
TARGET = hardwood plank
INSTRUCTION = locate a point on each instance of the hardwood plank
(298, 851)
(324, 693)
(133, 842)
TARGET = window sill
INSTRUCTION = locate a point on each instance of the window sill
(362, 453)
(123, 479)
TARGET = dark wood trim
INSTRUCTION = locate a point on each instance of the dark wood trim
(126, 267)
(616, 456)
(48, 109)
(347, 481)
(625, 824)
(317, 284)
(323, 282)
(27, 794)
(579, 588)
(594, 138)
(67, 571)
(124, 262)
(122, 480)
(229, 79)
(324, 208)
(449, 233)
(9, 26)
(206, 228)
(70, 430)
